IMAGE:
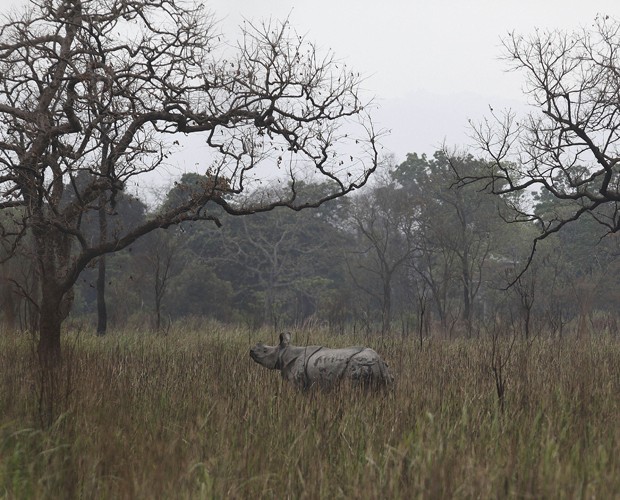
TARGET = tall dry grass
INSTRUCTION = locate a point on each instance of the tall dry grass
(189, 415)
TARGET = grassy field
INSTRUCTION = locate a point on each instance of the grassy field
(189, 415)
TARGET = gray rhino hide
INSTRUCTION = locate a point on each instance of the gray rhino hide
(316, 365)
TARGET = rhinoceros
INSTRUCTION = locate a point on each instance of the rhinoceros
(316, 365)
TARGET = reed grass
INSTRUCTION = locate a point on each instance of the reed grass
(189, 415)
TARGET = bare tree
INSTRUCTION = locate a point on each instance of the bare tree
(160, 259)
(568, 148)
(105, 87)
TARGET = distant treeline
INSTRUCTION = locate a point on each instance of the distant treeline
(410, 253)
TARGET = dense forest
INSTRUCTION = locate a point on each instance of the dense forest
(411, 253)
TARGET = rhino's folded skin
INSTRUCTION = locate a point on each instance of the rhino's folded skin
(316, 365)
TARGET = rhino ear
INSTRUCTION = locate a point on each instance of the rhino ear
(285, 338)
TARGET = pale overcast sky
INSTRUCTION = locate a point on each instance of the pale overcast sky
(432, 64)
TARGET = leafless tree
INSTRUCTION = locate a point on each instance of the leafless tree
(160, 260)
(568, 147)
(107, 86)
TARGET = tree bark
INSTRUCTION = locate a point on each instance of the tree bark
(50, 320)
(102, 312)
(8, 305)
(386, 312)
(54, 300)
(466, 292)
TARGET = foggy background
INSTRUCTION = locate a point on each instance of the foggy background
(431, 65)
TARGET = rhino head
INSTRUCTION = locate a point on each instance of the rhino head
(269, 356)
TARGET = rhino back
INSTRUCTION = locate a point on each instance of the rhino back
(307, 366)
(355, 363)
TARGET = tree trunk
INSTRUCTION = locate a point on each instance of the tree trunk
(102, 312)
(54, 384)
(386, 312)
(528, 315)
(157, 312)
(54, 301)
(466, 292)
(50, 320)
(9, 307)
(158, 293)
